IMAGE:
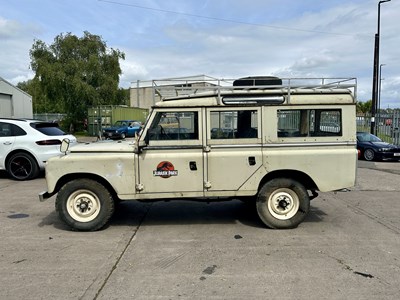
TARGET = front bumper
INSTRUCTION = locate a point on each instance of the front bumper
(43, 196)
(388, 155)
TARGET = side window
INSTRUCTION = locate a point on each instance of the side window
(291, 123)
(238, 124)
(174, 126)
(327, 122)
(7, 129)
(309, 122)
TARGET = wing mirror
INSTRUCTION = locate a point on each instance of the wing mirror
(64, 145)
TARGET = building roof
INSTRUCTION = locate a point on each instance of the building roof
(173, 81)
(13, 86)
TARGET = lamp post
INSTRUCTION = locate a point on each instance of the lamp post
(376, 69)
(380, 87)
(378, 113)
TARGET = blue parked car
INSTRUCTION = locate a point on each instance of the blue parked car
(122, 129)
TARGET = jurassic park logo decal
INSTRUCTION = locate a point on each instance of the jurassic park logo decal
(165, 169)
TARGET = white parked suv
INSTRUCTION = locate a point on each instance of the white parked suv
(264, 140)
(26, 145)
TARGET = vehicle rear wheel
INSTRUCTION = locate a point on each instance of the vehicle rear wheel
(22, 166)
(84, 205)
(283, 203)
(369, 154)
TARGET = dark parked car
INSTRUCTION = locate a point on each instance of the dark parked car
(122, 129)
(373, 148)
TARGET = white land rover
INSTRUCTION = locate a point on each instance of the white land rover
(272, 141)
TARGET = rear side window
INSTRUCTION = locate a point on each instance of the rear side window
(50, 129)
(309, 122)
(238, 124)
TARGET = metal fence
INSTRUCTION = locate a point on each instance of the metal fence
(387, 125)
(49, 117)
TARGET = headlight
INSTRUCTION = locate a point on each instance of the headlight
(384, 149)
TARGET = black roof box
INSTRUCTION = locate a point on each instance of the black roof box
(257, 80)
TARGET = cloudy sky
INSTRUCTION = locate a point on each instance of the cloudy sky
(218, 38)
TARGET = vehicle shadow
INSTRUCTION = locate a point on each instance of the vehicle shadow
(53, 220)
(5, 175)
(182, 212)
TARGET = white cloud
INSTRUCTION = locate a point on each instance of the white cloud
(130, 70)
(15, 41)
(298, 38)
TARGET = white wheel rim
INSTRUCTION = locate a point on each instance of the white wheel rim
(83, 206)
(283, 204)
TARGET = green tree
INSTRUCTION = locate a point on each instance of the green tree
(364, 107)
(38, 101)
(123, 96)
(74, 73)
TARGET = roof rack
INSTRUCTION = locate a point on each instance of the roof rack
(172, 89)
(204, 86)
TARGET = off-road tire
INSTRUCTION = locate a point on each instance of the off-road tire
(84, 205)
(282, 203)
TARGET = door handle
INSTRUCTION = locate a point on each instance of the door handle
(7, 143)
(252, 160)
(192, 166)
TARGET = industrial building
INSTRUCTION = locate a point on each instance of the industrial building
(14, 103)
(144, 94)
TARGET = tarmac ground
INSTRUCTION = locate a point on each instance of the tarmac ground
(347, 248)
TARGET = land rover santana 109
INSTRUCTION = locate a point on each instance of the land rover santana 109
(276, 142)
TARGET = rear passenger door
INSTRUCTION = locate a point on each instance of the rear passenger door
(233, 148)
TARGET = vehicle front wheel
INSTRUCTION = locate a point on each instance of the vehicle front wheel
(369, 154)
(22, 166)
(123, 135)
(283, 203)
(84, 205)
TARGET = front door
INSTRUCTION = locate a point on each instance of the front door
(171, 165)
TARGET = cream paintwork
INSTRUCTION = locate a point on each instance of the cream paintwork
(327, 165)
(185, 180)
(223, 168)
(117, 168)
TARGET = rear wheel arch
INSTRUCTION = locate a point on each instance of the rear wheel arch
(298, 176)
(9, 155)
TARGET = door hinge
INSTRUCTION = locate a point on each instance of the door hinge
(139, 187)
(207, 185)
(207, 149)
